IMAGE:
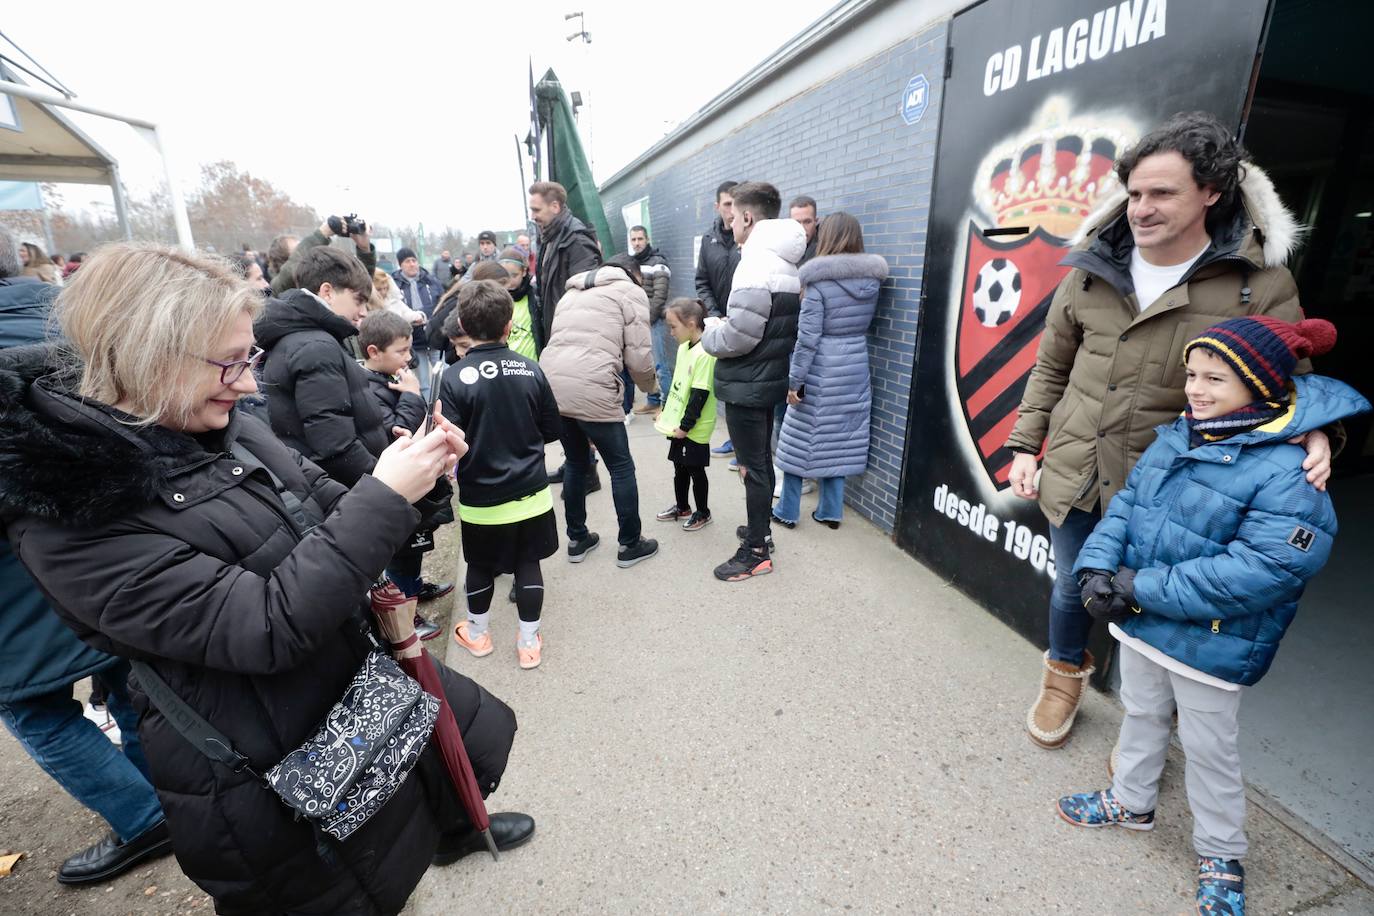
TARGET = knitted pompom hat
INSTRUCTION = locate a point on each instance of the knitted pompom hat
(1264, 350)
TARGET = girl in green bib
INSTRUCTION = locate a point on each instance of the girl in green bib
(689, 415)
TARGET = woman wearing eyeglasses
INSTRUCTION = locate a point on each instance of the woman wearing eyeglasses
(155, 517)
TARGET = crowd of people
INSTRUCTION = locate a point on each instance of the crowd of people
(280, 433)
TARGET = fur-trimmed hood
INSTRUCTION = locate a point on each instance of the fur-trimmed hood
(72, 461)
(843, 267)
(1274, 227)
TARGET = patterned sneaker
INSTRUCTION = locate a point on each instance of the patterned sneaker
(745, 564)
(779, 520)
(1101, 809)
(426, 629)
(529, 656)
(697, 522)
(479, 647)
(673, 514)
(1220, 887)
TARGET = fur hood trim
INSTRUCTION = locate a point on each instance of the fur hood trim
(844, 267)
(1274, 222)
(69, 460)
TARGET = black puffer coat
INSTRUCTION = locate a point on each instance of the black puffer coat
(316, 392)
(716, 263)
(566, 249)
(157, 545)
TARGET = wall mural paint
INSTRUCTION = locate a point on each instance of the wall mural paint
(1040, 100)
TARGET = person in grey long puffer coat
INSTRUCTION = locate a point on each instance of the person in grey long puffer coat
(825, 432)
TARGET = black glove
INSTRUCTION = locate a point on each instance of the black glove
(1123, 586)
(1095, 588)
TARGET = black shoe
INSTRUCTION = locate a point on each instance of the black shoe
(508, 829)
(831, 523)
(110, 857)
(557, 476)
(425, 629)
(593, 485)
(742, 532)
(578, 550)
(637, 552)
(431, 590)
(745, 564)
(784, 522)
(512, 593)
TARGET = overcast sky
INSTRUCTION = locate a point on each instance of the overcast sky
(405, 112)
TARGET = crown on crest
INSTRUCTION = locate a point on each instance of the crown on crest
(1052, 174)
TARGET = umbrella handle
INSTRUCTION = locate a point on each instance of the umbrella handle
(491, 844)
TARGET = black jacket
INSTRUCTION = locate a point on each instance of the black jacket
(398, 408)
(157, 545)
(316, 392)
(422, 296)
(567, 250)
(716, 263)
(505, 406)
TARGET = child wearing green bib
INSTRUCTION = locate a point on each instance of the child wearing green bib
(689, 415)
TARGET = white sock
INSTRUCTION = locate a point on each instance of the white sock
(529, 629)
(477, 624)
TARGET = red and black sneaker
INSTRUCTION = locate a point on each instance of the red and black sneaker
(745, 564)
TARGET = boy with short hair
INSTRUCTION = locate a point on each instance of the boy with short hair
(1198, 566)
(385, 339)
(503, 403)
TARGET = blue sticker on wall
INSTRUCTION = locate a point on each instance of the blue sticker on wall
(915, 98)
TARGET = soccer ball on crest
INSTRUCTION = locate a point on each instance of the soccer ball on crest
(996, 292)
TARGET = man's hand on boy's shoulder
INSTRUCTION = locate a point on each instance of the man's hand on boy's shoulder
(1317, 464)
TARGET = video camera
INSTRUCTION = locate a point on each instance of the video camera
(347, 225)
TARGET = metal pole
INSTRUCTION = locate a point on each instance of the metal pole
(520, 163)
(174, 193)
(121, 205)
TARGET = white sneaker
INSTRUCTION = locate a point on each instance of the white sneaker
(777, 490)
(808, 486)
(629, 418)
(105, 722)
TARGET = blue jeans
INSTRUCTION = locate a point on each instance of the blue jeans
(665, 357)
(1070, 623)
(611, 440)
(831, 508)
(629, 402)
(75, 752)
(427, 360)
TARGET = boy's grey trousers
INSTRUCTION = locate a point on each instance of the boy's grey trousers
(1209, 731)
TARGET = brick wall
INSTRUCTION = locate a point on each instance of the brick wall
(843, 142)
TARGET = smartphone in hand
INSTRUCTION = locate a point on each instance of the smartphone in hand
(436, 375)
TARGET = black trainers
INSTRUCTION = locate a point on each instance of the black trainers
(593, 484)
(557, 476)
(431, 590)
(777, 519)
(745, 564)
(578, 550)
(697, 522)
(637, 552)
(742, 532)
(673, 514)
(425, 629)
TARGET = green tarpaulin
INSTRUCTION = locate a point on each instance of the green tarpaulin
(566, 162)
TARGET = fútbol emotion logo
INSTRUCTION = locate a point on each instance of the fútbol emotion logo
(488, 369)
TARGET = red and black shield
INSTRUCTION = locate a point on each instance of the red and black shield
(1006, 296)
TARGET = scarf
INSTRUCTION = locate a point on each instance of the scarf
(1248, 418)
(644, 256)
(521, 291)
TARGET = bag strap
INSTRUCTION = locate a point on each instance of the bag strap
(303, 518)
(190, 724)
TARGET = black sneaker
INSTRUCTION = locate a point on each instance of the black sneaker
(512, 593)
(578, 550)
(425, 629)
(784, 522)
(637, 552)
(742, 532)
(557, 476)
(745, 564)
(592, 485)
(697, 522)
(431, 590)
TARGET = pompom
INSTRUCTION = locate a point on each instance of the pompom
(1319, 337)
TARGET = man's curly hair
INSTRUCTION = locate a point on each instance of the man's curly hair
(1214, 153)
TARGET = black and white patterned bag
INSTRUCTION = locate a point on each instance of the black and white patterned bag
(363, 751)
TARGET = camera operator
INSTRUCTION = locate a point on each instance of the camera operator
(340, 226)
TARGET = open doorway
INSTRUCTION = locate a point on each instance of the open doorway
(1308, 735)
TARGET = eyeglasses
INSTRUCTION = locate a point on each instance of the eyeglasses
(231, 372)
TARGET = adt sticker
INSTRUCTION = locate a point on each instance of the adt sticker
(915, 98)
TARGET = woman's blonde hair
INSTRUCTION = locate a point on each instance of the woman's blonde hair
(142, 318)
(381, 282)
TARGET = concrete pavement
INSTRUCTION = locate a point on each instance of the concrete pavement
(845, 734)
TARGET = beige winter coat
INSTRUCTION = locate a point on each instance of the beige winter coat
(1106, 375)
(601, 325)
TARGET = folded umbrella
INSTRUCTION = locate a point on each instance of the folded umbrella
(395, 615)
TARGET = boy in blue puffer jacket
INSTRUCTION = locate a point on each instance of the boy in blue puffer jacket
(1198, 566)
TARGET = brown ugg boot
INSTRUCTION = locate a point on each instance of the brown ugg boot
(1051, 718)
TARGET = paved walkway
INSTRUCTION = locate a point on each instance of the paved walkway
(844, 735)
